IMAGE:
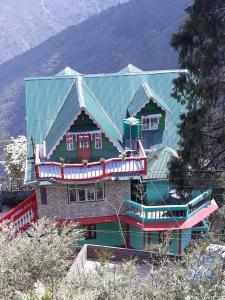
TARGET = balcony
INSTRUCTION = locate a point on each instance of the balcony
(167, 213)
(132, 165)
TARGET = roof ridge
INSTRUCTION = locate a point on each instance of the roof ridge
(109, 74)
(80, 91)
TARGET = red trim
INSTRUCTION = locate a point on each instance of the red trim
(127, 235)
(84, 153)
(30, 203)
(142, 157)
(20, 207)
(36, 168)
(62, 172)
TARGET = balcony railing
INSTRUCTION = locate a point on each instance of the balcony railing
(23, 214)
(136, 165)
(167, 213)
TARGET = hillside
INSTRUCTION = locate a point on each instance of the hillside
(25, 24)
(136, 32)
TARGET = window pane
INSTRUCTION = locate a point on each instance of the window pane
(99, 191)
(81, 193)
(90, 194)
(43, 195)
(72, 195)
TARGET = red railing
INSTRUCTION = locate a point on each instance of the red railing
(95, 170)
(23, 214)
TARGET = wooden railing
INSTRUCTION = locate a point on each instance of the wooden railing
(95, 170)
(23, 214)
(166, 213)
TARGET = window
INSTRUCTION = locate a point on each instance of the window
(69, 142)
(151, 122)
(98, 140)
(90, 233)
(83, 193)
(43, 194)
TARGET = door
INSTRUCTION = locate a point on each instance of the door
(84, 147)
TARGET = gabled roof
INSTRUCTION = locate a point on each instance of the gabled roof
(142, 96)
(52, 102)
(130, 69)
(158, 163)
(67, 72)
(80, 98)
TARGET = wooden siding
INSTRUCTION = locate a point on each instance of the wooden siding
(82, 124)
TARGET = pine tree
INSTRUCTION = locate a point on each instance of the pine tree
(200, 43)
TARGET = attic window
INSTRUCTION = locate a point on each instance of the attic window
(69, 142)
(151, 122)
(98, 140)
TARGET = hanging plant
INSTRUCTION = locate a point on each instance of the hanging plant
(102, 160)
(62, 160)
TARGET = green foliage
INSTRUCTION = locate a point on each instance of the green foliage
(15, 154)
(165, 279)
(200, 44)
(41, 254)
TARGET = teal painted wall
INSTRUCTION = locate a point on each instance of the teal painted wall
(82, 124)
(154, 239)
(185, 238)
(157, 191)
(107, 234)
(137, 238)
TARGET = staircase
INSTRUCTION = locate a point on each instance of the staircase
(23, 214)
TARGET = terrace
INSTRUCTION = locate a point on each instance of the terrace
(135, 163)
(167, 213)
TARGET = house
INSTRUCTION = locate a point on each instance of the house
(98, 152)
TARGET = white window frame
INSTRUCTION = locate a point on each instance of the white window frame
(98, 140)
(69, 142)
(149, 120)
(85, 188)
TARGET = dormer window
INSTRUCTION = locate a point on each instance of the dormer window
(151, 122)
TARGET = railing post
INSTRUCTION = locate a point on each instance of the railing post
(62, 172)
(103, 169)
(36, 167)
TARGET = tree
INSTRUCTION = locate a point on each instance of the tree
(200, 43)
(15, 160)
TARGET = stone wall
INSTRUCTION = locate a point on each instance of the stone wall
(59, 207)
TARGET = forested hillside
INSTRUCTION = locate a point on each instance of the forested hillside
(27, 23)
(136, 32)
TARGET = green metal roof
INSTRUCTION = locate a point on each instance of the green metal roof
(53, 102)
(142, 96)
(130, 69)
(80, 98)
(67, 72)
(157, 163)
